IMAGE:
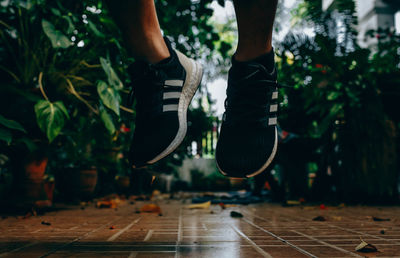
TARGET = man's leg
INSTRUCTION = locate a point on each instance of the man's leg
(137, 20)
(255, 19)
(163, 82)
(248, 140)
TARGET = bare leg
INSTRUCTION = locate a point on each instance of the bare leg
(139, 25)
(255, 20)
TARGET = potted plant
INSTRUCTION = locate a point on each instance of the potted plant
(50, 87)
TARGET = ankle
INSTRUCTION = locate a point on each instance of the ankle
(243, 54)
(152, 50)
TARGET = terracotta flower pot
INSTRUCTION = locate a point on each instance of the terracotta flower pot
(32, 181)
(49, 189)
(87, 182)
(74, 184)
(122, 183)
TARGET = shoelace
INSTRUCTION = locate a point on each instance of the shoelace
(148, 78)
(240, 105)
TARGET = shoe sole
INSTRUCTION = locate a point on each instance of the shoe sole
(264, 167)
(194, 74)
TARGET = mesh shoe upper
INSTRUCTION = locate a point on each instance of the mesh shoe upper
(248, 131)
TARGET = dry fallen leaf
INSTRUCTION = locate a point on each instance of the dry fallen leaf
(230, 205)
(151, 208)
(204, 205)
(337, 218)
(108, 203)
(293, 202)
(364, 247)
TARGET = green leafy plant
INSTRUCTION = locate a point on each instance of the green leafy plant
(341, 97)
(51, 117)
(7, 127)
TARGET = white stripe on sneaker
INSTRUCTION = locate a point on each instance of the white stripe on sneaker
(173, 83)
(170, 107)
(273, 108)
(272, 121)
(171, 95)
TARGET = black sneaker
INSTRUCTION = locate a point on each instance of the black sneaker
(248, 140)
(163, 93)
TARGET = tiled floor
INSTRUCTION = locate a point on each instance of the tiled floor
(266, 230)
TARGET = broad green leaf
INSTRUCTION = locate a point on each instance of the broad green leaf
(11, 124)
(109, 96)
(55, 11)
(50, 117)
(62, 108)
(28, 143)
(107, 120)
(71, 26)
(113, 79)
(5, 135)
(94, 29)
(333, 95)
(57, 38)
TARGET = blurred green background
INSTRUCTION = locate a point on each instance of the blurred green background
(65, 127)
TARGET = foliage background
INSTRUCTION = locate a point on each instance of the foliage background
(63, 70)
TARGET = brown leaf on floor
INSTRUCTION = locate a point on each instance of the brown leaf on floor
(230, 205)
(235, 214)
(337, 218)
(364, 247)
(379, 219)
(106, 204)
(151, 208)
(204, 205)
(293, 202)
(46, 223)
(309, 208)
(319, 218)
(111, 202)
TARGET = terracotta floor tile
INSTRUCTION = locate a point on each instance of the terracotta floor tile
(265, 230)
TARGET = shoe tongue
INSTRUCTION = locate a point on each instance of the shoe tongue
(243, 69)
(267, 60)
